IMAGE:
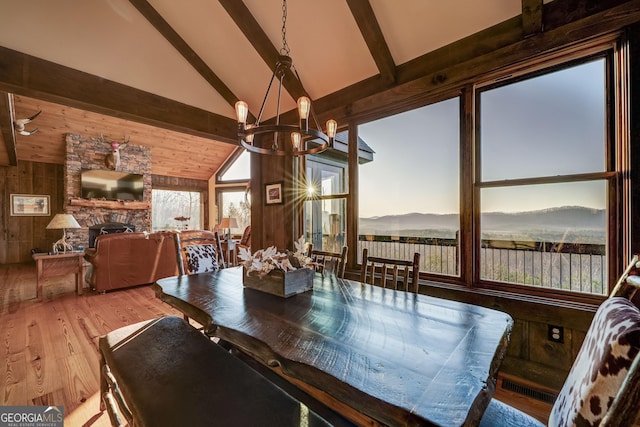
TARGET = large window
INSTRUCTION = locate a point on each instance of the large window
(513, 185)
(409, 194)
(180, 210)
(542, 178)
(235, 204)
(232, 195)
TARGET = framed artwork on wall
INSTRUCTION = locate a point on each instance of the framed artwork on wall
(273, 193)
(30, 205)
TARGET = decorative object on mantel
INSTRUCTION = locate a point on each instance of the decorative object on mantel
(249, 135)
(278, 273)
(62, 221)
(112, 160)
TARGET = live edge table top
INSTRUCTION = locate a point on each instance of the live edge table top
(400, 358)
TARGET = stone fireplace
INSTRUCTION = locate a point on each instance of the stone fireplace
(89, 153)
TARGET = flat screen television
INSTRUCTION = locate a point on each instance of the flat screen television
(111, 185)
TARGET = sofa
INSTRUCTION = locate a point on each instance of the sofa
(124, 260)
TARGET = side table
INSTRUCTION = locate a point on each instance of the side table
(229, 246)
(57, 265)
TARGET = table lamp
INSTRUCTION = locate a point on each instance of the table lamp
(228, 223)
(62, 221)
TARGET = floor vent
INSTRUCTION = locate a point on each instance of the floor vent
(543, 396)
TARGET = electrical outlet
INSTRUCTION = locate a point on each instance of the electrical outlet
(555, 333)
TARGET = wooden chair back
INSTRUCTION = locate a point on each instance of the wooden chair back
(330, 262)
(245, 240)
(209, 240)
(389, 272)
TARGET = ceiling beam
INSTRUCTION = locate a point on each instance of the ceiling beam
(245, 21)
(463, 60)
(34, 77)
(531, 17)
(448, 77)
(370, 30)
(163, 27)
(6, 126)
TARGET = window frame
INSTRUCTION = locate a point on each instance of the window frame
(319, 162)
(204, 218)
(618, 136)
(547, 64)
(219, 194)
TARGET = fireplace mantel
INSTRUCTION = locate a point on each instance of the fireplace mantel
(109, 204)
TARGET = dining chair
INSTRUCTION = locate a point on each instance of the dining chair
(603, 385)
(388, 271)
(198, 251)
(329, 262)
(245, 240)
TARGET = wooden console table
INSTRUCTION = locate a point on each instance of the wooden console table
(58, 265)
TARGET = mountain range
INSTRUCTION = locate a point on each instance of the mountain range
(576, 220)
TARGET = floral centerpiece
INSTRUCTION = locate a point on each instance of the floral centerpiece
(280, 273)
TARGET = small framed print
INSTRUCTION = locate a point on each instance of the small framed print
(30, 205)
(273, 193)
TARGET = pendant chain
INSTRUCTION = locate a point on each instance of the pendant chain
(285, 47)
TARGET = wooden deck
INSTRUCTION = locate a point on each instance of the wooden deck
(50, 355)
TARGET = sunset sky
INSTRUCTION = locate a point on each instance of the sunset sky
(546, 126)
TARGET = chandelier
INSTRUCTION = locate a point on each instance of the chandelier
(250, 135)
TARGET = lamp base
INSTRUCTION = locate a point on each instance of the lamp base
(62, 246)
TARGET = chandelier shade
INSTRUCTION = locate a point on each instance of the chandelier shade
(254, 136)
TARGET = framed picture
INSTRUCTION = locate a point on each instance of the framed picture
(30, 205)
(273, 193)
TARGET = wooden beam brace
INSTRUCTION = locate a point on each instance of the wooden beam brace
(372, 34)
(531, 17)
(245, 21)
(6, 126)
(34, 77)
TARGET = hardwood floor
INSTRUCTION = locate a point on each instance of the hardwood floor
(50, 348)
(49, 353)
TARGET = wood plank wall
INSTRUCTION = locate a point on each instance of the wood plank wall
(20, 234)
(531, 355)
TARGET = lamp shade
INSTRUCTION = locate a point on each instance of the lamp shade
(228, 223)
(61, 221)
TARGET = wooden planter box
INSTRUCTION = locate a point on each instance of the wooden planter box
(280, 283)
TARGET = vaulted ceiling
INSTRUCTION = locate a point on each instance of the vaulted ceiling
(167, 73)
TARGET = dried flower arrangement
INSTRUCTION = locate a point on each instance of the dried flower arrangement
(263, 261)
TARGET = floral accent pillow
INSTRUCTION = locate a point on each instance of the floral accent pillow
(201, 259)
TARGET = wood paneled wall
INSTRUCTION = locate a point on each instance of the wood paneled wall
(20, 234)
(271, 225)
(531, 355)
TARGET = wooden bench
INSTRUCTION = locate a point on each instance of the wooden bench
(164, 372)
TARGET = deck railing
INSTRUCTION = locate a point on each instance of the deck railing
(554, 265)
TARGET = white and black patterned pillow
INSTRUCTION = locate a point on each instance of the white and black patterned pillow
(201, 258)
(609, 348)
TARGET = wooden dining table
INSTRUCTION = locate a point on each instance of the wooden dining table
(399, 358)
